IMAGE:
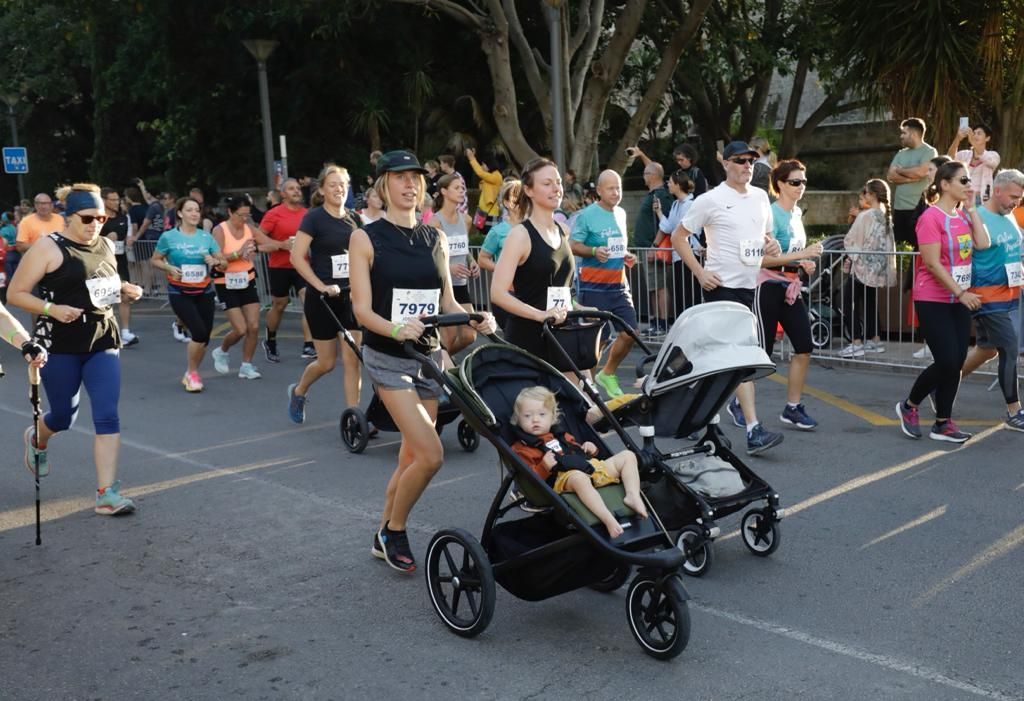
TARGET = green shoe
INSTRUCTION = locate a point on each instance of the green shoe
(34, 456)
(110, 502)
(610, 384)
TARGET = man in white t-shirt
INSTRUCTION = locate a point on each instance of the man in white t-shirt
(737, 222)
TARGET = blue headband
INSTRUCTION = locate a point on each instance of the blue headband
(82, 199)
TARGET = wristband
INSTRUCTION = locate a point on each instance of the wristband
(593, 252)
(46, 308)
(961, 294)
(11, 335)
(395, 328)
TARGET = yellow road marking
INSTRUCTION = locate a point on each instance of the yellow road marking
(993, 552)
(871, 417)
(933, 514)
(219, 329)
(59, 508)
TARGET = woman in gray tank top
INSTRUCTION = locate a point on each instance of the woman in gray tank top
(451, 192)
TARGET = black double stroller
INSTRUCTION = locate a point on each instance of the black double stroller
(708, 352)
(354, 424)
(562, 548)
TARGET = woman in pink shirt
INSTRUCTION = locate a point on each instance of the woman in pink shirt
(947, 233)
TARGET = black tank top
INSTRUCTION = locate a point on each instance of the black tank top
(545, 267)
(330, 237)
(404, 259)
(87, 279)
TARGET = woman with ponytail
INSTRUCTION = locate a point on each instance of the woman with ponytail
(947, 233)
(871, 232)
(451, 192)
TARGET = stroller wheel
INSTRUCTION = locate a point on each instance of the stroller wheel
(821, 333)
(613, 581)
(761, 534)
(468, 438)
(698, 550)
(658, 616)
(355, 430)
(460, 582)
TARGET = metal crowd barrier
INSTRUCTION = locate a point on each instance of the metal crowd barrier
(662, 289)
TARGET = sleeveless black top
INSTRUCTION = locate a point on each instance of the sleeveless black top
(545, 267)
(330, 236)
(87, 279)
(404, 259)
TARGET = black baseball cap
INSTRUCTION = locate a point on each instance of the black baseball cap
(738, 148)
(398, 161)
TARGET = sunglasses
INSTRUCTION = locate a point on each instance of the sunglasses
(964, 180)
(90, 218)
(743, 161)
(796, 182)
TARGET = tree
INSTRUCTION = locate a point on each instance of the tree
(939, 59)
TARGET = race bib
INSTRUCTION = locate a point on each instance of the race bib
(962, 275)
(407, 304)
(118, 248)
(553, 445)
(616, 247)
(458, 246)
(339, 267)
(193, 273)
(104, 291)
(1015, 274)
(751, 252)
(559, 298)
(795, 246)
(237, 281)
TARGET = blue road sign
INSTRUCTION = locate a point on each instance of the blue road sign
(15, 159)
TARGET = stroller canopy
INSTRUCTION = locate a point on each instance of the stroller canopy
(707, 339)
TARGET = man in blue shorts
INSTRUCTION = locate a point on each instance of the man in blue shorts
(599, 238)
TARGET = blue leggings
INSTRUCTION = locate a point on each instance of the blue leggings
(63, 377)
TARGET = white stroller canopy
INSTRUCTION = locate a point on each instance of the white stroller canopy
(707, 339)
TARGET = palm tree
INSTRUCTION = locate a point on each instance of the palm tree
(371, 119)
(419, 88)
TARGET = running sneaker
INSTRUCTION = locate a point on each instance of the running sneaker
(910, 422)
(110, 502)
(128, 339)
(178, 332)
(308, 351)
(854, 350)
(610, 384)
(395, 545)
(874, 347)
(296, 405)
(736, 412)
(797, 416)
(192, 382)
(270, 350)
(248, 371)
(760, 439)
(221, 361)
(924, 354)
(34, 455)
(947, 431)
(1015, 422)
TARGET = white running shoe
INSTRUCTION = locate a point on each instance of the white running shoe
(248, 371)
(873, 347)
(179, 333)
(221, 361)
(128, 338)
(925, 352)
(854, 350)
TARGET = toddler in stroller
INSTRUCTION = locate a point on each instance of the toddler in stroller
(568, 466)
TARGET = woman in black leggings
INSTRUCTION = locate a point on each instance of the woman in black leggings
(947, 233)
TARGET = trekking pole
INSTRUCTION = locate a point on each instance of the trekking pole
(33, 382)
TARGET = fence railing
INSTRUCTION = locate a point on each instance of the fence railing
(839, 310)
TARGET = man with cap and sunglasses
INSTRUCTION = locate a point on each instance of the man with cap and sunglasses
(737, 221)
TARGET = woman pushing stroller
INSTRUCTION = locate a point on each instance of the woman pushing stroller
(567, 465)
(399, 272)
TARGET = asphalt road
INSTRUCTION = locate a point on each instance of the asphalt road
(246, 571)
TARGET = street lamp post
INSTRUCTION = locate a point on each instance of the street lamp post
(11, 100)
(261, 50)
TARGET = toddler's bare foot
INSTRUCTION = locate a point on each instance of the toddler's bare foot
(614, 529)
(636, 502)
